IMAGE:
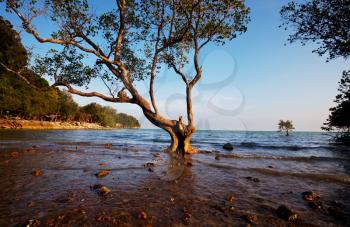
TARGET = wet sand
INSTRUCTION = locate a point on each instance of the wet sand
(203, 190)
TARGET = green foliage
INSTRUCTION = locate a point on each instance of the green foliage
(127, 120)
(339, 119)
(324, 22)
(285, 126)
(107, 116)
(12, 52)
(18, 98)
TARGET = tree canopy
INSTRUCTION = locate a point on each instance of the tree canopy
(339, 118)
(132, 40)
(324, 22)
(285, 126)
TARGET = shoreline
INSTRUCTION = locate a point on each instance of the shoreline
(7, 124)
(86, 179)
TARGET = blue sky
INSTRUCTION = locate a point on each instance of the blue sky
(248, 84)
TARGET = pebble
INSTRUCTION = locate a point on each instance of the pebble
(310, 196)
(102, 173)
(286, 213)
(251, 218)
(228, 146)
(142, 215)
(36, 173)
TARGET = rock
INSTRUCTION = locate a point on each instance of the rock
(108, 146)
(14, 154)
(315, 204)
(253, 179)
(156, 155)
(231, 199)
(271, 167)
(310, 196)
(228, 146)
(149, 164)
(102, 173)
(142, 215)
(217, 157)
(100, 189)
(150, 170)
(251, 218)
(172, 199)
(36, 173)
(286, 213)
(103, 191)
(189, 164)
(30, 204)
(32, 223)
(96, 186)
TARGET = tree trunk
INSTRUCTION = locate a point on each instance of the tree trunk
(287, 133)
(180, 143)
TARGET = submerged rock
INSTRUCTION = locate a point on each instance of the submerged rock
(286, 213)
(108, 146)
(32, 223)
(156, 155)
(228, 146)
(149, 164)
(36, 173)
(102, 173)
(315, 204)
(31, 204)
(254, 179)
(104, 191)
(251, 218)
(231, 199)
(142, 215)
(100, 189)
(310, 196)
(14, 154)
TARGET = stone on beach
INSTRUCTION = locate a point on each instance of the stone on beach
(102, 173)
(286, 213)
(142, 215)
(310, 196)
(100, 189)
(228, 146)
(254, 179)
(251, 218)
(36, 173)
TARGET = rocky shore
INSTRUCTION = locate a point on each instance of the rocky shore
(44, 125)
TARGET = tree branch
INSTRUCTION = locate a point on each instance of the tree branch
(19, 74)
(123, 99)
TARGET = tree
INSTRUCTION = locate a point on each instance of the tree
(324, 22)
(285, 126)
(339, 119)
(131, 42)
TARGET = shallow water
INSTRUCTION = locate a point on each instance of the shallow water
(174, 193)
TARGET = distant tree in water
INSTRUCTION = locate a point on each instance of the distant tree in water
(285, 126)
(339, 118)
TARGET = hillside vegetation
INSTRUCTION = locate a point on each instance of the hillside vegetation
(28, 96)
